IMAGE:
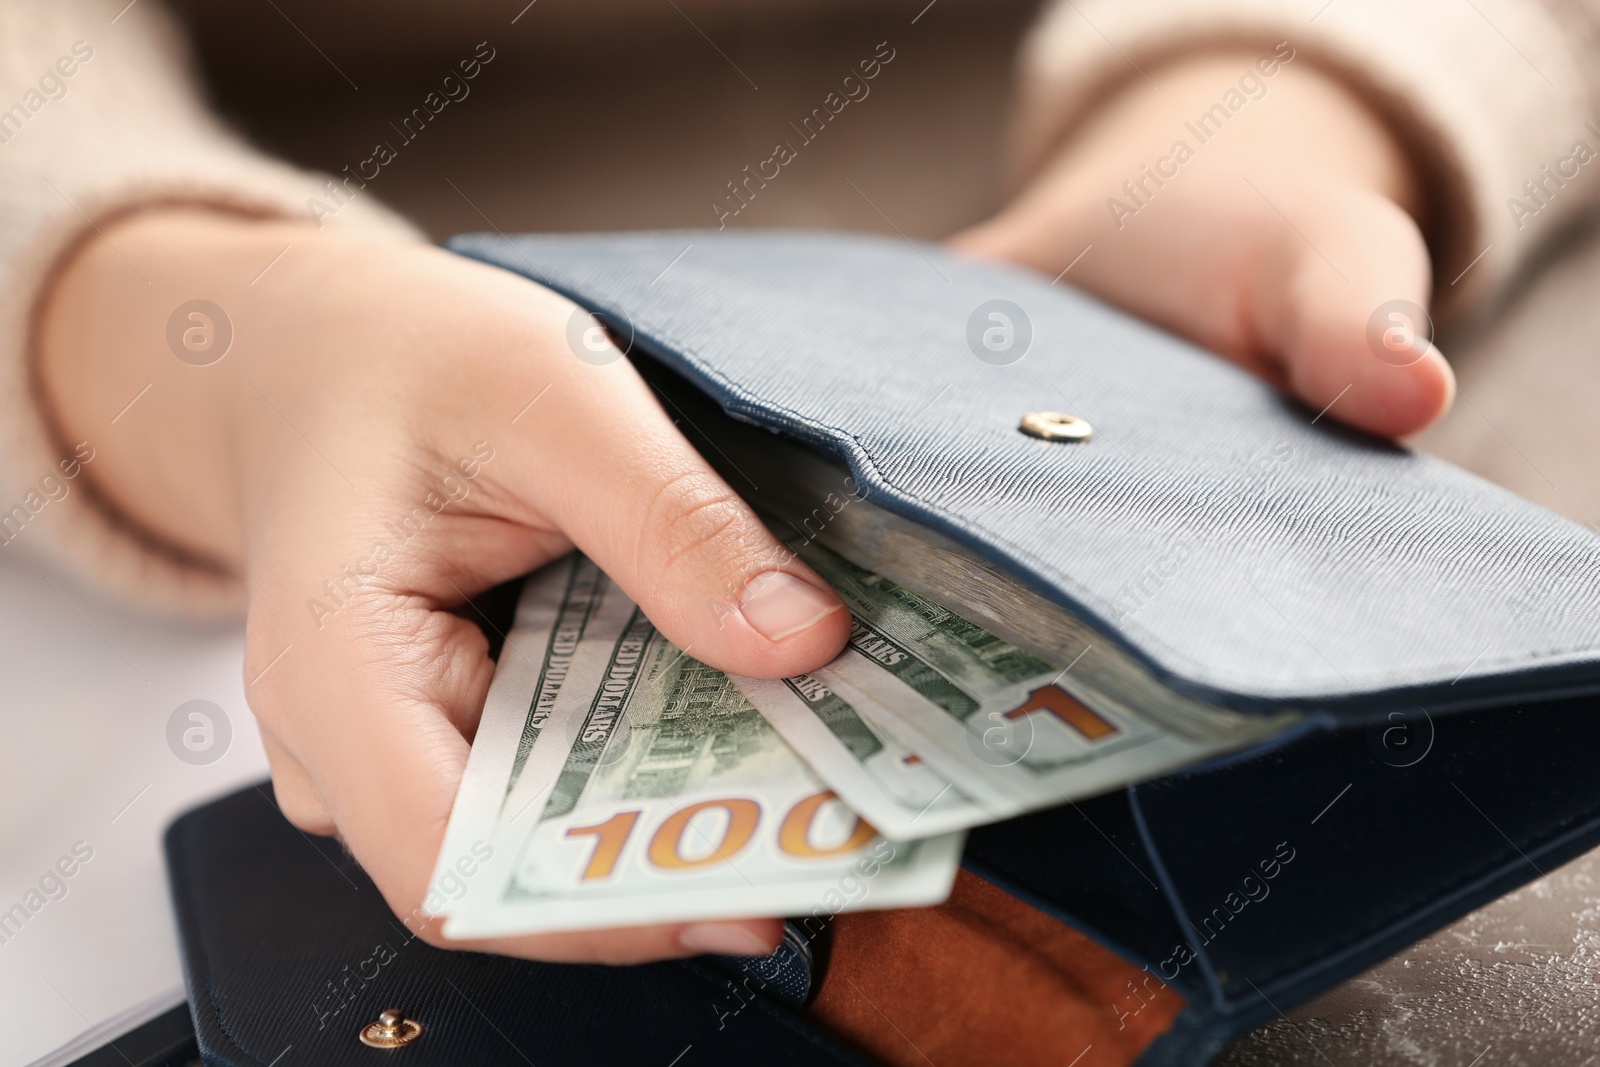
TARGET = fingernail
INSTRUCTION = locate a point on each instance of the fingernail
(778, 605)
(723, 939)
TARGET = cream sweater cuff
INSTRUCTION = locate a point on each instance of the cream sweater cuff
(123, 130)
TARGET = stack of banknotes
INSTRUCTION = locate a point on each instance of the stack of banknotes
(616, 781)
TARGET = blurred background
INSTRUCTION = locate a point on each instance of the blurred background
(598, 115)
(595, 115)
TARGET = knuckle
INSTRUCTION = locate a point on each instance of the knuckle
(305, 813)
(263, 676)
(694, 520)
(618, 951)
(611, 948)
(426, 928)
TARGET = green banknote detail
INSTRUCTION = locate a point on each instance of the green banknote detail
(578, 604)
(837, 715)
(904, 663)
(659, 720)
(605, 713)
(705, 725)
(951, 661)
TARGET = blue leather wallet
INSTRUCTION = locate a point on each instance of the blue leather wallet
(1435, 639)
(1428, 644)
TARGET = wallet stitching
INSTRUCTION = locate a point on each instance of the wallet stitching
(765, 407)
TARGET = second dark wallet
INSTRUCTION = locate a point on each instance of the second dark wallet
(290, 951)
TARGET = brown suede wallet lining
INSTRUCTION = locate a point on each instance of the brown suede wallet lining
(985, 979)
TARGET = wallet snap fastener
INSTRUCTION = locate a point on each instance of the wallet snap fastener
(1055, 426)
(392, 1030)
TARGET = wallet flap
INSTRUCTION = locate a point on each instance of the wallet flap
(1251, 553)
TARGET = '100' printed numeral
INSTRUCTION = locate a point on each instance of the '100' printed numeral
(665, 851)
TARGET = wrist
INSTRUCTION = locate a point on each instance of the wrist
(142, 346)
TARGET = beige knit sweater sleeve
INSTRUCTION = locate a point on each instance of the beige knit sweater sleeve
(1494, 99)
(100, 115)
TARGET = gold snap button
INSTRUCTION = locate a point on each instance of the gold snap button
(1054, 426)
(392, 1030)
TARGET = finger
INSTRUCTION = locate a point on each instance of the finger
(1342, 307)
(389, 760)
(297, 796)
(378, 684)
(605, 463)
(634, 944)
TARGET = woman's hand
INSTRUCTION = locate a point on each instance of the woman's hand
(1274, 241)
(400, 396)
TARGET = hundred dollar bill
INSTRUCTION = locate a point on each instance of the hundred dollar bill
(663, 795)
(988, 716)
(890, 785)
(559, 608)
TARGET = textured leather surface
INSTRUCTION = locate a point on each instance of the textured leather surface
(280, 930)
(1254, 885)
(1318, 566)
(289, 950)
(1347, 570)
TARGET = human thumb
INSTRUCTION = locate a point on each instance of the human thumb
(626, 487)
